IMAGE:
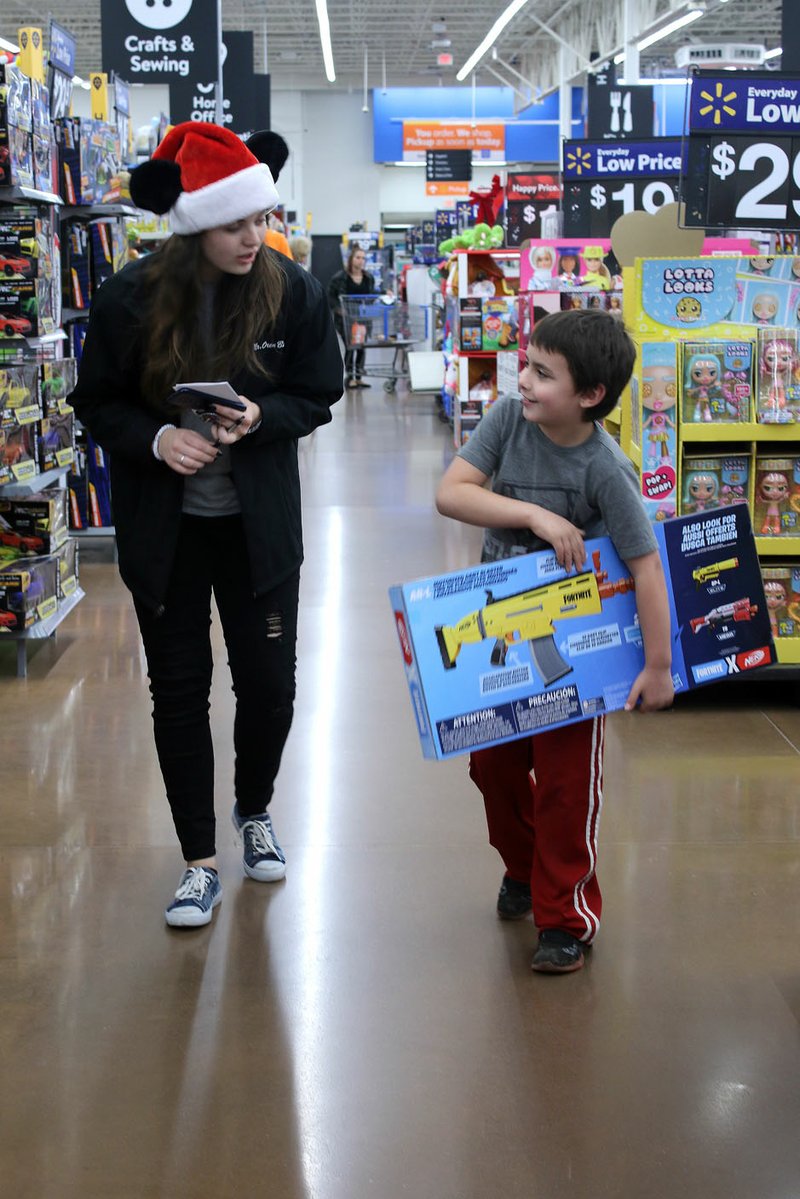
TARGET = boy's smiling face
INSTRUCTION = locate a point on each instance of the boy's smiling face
(549, 398)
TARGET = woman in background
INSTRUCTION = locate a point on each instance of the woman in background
(354, 280)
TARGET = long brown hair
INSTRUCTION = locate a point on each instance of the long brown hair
(246, 307)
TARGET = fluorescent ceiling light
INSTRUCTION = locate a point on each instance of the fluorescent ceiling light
(773, 53)
(76, 79)
(325, 39)
(618, 58)
(692, 15)
(491, 37)
(11, 46)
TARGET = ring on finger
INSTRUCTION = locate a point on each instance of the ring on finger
(182, 459)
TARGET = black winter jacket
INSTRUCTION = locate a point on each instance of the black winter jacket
(305, 365)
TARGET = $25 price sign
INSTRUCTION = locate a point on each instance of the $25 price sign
(742, 167)
(745, 180)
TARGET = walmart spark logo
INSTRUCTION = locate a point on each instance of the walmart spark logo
(719, 103)
(578, 161)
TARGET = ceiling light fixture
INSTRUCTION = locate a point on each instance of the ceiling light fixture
(12, 47)
(325, 39)
(773, 53)
(692, 15)
(491, 37)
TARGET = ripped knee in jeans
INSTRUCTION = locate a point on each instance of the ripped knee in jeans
(274, 626)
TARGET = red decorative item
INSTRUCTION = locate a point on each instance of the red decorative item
(489, 202)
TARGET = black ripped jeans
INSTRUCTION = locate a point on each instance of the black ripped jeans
(260, 636)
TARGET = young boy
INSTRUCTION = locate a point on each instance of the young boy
(557, 477)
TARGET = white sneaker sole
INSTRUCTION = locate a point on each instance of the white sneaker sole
(191, 917)
(267, 872)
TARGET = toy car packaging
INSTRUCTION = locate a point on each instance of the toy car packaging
(57, 381)
(68, 577)
(28, 593)
(509, 648)
(19, 394)
(36, 524)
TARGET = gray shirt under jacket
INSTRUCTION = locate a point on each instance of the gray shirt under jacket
(592, 485)
(211, 492)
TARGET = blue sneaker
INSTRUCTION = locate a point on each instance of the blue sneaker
(263, 858)
(199, 892)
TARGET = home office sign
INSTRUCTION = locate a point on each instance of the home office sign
(154, 41)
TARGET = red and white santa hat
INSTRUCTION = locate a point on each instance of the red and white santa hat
(203, 176)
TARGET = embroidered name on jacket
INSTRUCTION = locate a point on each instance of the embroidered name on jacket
(269, 345)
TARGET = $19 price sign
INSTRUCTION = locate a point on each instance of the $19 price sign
(591, 207)
(744, 180)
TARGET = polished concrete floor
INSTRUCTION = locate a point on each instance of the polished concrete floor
(368, 1029)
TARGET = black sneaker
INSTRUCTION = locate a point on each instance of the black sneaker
(513, 900)
(558, 952)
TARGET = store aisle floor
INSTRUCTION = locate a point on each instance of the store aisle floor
(368, 1028)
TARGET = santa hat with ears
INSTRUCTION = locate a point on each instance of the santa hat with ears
(203, 176)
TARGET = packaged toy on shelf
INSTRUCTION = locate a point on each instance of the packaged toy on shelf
(717, 381)
(28, 593)
(34, 524)
(782, 593)
(714, 481)
(778, 380)
(777, 497)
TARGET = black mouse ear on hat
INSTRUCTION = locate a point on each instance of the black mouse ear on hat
(156, 185)
(269, 148)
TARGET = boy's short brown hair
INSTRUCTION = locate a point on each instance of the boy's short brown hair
(596, 349)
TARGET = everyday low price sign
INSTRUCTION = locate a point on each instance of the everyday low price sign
(604, 180)
(743, 160)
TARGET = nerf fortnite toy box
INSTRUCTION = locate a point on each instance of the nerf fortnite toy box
(510, 648)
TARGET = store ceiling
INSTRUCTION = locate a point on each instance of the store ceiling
(401, 33)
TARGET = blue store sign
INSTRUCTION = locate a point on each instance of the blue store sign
(744, 102)
(636, 160)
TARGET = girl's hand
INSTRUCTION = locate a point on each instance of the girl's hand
(651, 690)
(185, 452)
(233, 426)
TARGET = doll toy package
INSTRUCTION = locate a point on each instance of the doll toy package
(506, 649)
(782, 594)
(777, 497)
(778, 377)
(716, 381)
(714, 481)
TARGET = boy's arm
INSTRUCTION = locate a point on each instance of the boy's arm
(653, 688)
(463, 496)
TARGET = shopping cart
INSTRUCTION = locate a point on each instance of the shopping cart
(378, 322)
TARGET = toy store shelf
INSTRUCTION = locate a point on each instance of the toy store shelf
(719, 432)
(41, 630)
(777, 547)
(94, 210)
(34, 485)
(499, 253)
(74, 314)
(11, 195)
(94, 531)
(788, 651)
(475, 353)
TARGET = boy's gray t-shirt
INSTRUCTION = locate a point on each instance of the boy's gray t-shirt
(592, 485)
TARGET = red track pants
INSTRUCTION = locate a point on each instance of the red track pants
(545, 826)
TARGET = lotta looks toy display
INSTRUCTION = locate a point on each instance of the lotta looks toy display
(777, 497)
(778, 395)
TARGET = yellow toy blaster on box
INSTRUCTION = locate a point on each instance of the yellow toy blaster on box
(530, 616)
(704, 574)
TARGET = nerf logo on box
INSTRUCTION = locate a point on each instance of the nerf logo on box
(405, 641)
(754, 658)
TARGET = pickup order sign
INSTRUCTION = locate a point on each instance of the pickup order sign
(743, 161)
